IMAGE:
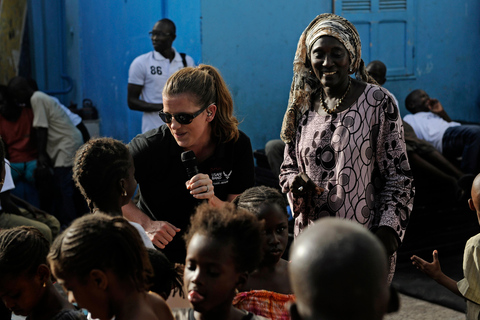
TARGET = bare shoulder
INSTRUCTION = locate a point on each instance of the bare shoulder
(159, 307)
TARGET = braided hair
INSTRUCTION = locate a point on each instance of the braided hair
(98, 166)
(98, 241)
(255, 199)
(168, 275)
(22, 250)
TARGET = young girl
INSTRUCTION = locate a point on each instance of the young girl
(102, 262)
(103, 171)
(267, 290)
(222, 248)
(25, 285)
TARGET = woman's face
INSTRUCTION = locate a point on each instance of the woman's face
(276, 233)
(21, 294)
(195, 135)
(330, 61)
(210, 275)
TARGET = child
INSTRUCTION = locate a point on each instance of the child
(222, 248)
(25, 285)
(338, 270)
(103, 171)
(102, 262)
(267, 290)
(468, 286)
(168, 275)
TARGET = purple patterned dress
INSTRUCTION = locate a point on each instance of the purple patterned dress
(359, 157)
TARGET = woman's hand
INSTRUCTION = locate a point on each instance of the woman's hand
(303, 185)
(201, 186)
(431, 269)
(161, 233)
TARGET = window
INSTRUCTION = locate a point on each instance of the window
(387, 32)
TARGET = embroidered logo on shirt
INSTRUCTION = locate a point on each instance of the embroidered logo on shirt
(220, 177)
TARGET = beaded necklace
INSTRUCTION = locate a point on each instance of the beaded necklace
(339, 102)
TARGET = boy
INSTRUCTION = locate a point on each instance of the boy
(338, 271)
(468, 287)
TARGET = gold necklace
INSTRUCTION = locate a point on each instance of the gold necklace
(339, 102)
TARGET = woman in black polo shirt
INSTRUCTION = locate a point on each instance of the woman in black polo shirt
(198, 116)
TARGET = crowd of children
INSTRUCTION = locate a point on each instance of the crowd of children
(103, 264)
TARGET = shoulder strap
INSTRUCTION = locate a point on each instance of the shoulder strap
(184, 60)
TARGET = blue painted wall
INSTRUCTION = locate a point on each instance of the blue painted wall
(447, 50)
(253, 44)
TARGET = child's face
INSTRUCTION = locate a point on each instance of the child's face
(276, 232)
(21, 294)
(85, 295)
(210, 275)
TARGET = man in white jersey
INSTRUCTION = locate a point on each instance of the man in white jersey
(149, 72)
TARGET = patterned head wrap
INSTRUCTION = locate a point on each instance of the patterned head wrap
(304, 80)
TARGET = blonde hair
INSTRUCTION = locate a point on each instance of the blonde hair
(207, 86)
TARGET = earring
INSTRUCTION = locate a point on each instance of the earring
(209, 114)
(124, 193)
(44, 285)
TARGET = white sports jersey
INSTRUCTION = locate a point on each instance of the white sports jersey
(152, 70)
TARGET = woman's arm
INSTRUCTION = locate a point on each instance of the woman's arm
(396, 191)
(160, 232)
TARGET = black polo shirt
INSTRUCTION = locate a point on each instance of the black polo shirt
(161, 177)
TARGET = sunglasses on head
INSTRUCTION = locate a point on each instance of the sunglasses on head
(182, 118)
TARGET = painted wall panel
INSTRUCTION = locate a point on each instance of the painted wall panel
(253, 43)
(109, 38)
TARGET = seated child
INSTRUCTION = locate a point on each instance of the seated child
(15, 212)
(102, 263)
(267, 290)
(222, 248)
(338, 271)
(468, 287)
(103, 171)
(167, 275)
(25, 285)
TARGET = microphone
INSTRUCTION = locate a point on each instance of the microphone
(190, 163)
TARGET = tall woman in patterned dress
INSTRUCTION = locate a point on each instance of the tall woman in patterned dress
(345, 153)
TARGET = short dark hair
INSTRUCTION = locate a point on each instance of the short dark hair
(169, 23)
(409, 100)
(230, 225)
